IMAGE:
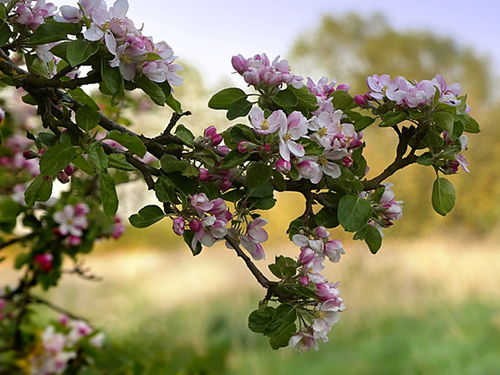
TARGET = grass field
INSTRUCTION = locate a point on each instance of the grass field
(425, 307)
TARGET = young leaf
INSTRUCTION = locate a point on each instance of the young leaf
(470, 125)
(56, 158)
(371, 236)
(444, 121)
(152, 89)
(353, 212)
(131, 142)
(257, 174)
(87, 117)
(119, 161)
(342, 100)
(226, 98)
(443, 196)
(147, 216)
(40, 189)
(108, 195)
(185, 135)
(80, 51)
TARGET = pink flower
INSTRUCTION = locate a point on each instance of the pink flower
(310, 170)
(270, 125)
(178, 226)
(34, 16)
(303, 342)
(204, 175)
(283, 166)
(294, 129)
(306, 256)
(201, 203)
(333, 250)
(239, 63)
(255, 249)
(72, 220)
(322, 89)
(255, 231)
(360, 100)
(378, 85)
(118, 228)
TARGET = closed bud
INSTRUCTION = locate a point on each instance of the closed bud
(283, 166)
(347, 161)
(360, 100)
(29, 154)
(343, 87)
(69, 170)
(63, 177)
(44, 262)
(195, 225)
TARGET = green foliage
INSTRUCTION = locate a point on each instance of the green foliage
(147, 216)
(87, 117)
(79, 51)
(443, 196)
(56, 158)
(354, 212)
(131, 142)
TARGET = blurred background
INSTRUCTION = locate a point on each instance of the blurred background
(427, 303)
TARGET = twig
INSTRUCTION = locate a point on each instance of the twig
(173, 121)
(52, 306)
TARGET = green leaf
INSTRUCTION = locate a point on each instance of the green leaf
(257, 174)
(353, 212)
(119, 161)
(282, 327)
(237, 133)
(185, 135)
(283, 267)
(170, 164)
(443, 196)
(152, 89)
(444, 121)
(226, 98)
(81, 96)
(50, 32)
(371, 236)
(239, 109)
(147, 216)
(307, 102)
(426, 159)
(56, 158)
(108, 195)
(279, 181)
(112, 79)
(98, 157)
(286, 99)
(130, 142)
(165, 190)
(40, 189)
(342, 100)
(470, 125)
(5, 33)
(87, 117)
(80, 51)
(259, 320)
(234, 159)
(81, 163)
(327, 218)
(393, 119)
(363, 122)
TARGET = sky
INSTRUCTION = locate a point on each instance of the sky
(207, 33)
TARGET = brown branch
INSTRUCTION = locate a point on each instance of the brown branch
(56, 308)
(173, 121)
(15, 240)
(259, 276)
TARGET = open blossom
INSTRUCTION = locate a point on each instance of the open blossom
(294, 129)
(72, 220)
(325, 126)
(34, 15)
(389, 208)
(259, 70)
(303, 342)
(272, 124)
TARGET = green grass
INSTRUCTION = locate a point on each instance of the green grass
(447, 339)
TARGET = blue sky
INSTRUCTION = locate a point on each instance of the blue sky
(208, 33)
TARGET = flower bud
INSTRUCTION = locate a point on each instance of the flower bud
(283, 166)
(304, 280)
(178, 226)
(73, 240)
(63, 178)
(360, 100)
(306, 255)
(239, 63)
(204, 175)
(347, 161)
(343, 86)
(245, 146)
(216, 139)
(30, 154)
(266, 147)
(223, 150)
(81, 209)
(225, 184)
(44, 262)
(195, 225)
(69, 170)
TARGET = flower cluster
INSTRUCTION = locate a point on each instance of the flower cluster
(33, 13)
(72, 220)
(314, 248)
(133, 52)
(259, 71)
(61, 343)
(402, 92)
(323, 91)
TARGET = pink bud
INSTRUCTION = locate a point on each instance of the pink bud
(343, 86)
(244, 146)
(73, 240)
(178, 226)
(29, 154)
(64, 320)
(321, 232)
(225, 184)
(347, 161)
(306, 255)
(239, 63)
(216, 139)
(266, 147)
(81, 209)
(210, 131)
(44, 261)
(204, 175)
(69, 170)
(223, 150)
(283, 166)
(355, 143)
(63, 177)
(195, 225)
(304, 280)
(360, 100)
